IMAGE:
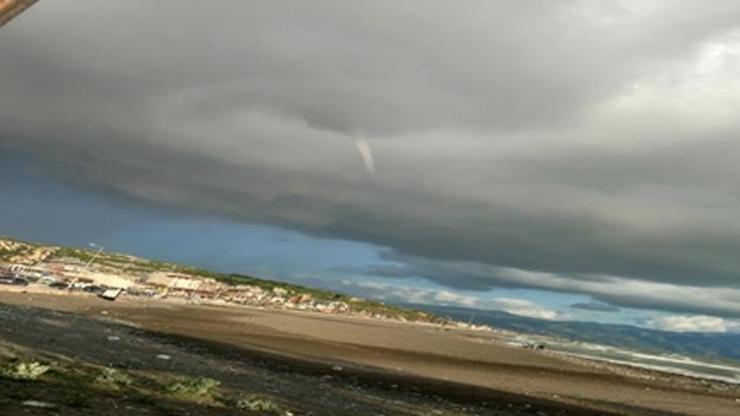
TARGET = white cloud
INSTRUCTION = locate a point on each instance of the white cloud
(526, 308)
(617, 290)
(407, 294)
(447, 297)
(693, 323)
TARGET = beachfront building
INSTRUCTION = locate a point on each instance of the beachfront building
(184, 284)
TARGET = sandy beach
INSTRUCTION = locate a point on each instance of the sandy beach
(465, 365)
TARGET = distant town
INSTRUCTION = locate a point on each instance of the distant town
(31, 267)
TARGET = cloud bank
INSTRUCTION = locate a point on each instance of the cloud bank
(526, 308)
(681, 323)
(576, 146)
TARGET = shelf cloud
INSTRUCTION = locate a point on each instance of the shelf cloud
(575, 146)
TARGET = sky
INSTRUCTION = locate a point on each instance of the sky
(565, 160)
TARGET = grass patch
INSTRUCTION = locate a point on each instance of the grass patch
(200, 388)
(26, 370)
(261, 404)
(113, 379)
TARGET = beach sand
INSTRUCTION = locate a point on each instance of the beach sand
(464, 364)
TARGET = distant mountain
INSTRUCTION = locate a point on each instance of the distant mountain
(709, 345)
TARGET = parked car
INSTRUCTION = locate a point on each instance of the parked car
(13, 280)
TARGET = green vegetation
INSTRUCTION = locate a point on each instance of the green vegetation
(26, 370)
(22, 248)
(106, 259)
(68, 384)
(6, 254)
(114, 379)
(260, 404)
(199, 389)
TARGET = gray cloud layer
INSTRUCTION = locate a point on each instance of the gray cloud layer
(583, 139)
(595, 307)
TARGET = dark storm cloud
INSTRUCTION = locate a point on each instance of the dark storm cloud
(589, 141)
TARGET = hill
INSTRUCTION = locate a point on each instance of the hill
(723, 346)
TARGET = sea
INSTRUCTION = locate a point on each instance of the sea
(717, 359)
(666, 362)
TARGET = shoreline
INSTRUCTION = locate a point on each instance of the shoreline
(655, 369)
(651, 369)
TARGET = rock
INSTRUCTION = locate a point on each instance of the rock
(164, 357)
(39, 405)
(337, 368)
(113, 338)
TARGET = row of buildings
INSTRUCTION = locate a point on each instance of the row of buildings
(74, 275)
(118, 274)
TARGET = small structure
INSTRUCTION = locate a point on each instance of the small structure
(111, 294)
(187, 285)
(29, 272)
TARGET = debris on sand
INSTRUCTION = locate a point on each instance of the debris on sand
(39, 405)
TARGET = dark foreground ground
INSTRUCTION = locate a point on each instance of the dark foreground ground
(119, 358)
(144, 366)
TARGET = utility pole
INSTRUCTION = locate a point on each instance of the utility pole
(87, 265)
(92, 259)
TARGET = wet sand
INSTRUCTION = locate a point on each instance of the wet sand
(469, 362)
